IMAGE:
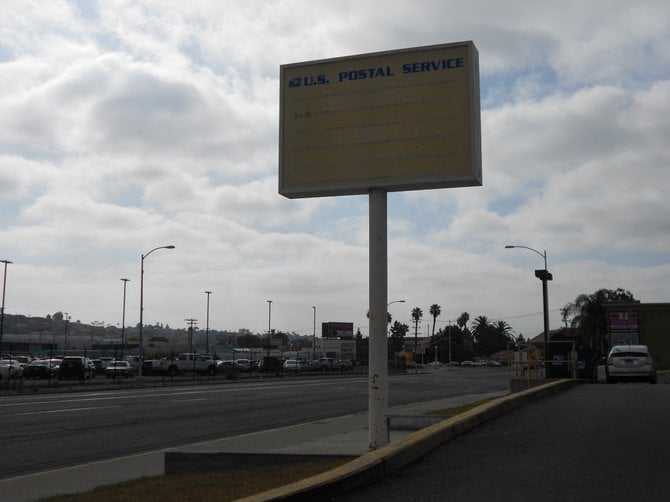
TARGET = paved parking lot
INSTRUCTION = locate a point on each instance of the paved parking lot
(593, 442)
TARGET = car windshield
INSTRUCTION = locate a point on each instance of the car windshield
(629, 354)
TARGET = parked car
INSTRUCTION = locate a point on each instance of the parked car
(630, 362)
(271, 364)
(295, 365)
(76, 367)
(5, 372)
(326, 363)
(151, 367)
(134, 361)
(243, 365)
(314, 365)
(189, 362)
(227, 368)
(42, 368)
(21, 359)
(11, 368)
(99, 366)
(118, 369)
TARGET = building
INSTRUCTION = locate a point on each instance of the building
(643, 323)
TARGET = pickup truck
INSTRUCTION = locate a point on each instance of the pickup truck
(189, 363)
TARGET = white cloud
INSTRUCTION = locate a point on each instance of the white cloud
(130, 125)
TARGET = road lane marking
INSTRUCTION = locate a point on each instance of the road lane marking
(63, 410)
(279, 387)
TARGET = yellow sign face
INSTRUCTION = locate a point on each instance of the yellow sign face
(399, 120)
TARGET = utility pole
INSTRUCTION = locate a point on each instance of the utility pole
(2, 313)
(191, 323)
(207, 329)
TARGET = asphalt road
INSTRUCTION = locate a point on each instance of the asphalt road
(41, 431)
(594, 442)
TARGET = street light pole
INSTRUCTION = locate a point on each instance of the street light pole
(387, 306)
(207, 327)
(269, 329)
(139, 371)
(123, 316)
(2, 312)
(67, 317)
(449, 344)
(314, 335)
(544, 275)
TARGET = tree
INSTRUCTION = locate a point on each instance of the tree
(480, 332)
(397, 340)
(248, 341)
(435, 311)
(362, 347)
(281, 337)
(462, 321)
(503, 332)
(503, 328)
(388, 316)
(590, 320)
(480, 325)
(417, 314)
(462, 348)
(490, 338)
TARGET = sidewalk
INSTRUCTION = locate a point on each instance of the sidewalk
(346, 435)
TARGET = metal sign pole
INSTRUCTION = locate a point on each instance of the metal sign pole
(378, 365)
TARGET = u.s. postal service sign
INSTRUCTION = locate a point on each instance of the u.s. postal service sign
(396, 120)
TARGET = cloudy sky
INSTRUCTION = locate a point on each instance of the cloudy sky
(128, 125)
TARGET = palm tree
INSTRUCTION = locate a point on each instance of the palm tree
(481, 330)
(417, 314)
(435, 310)
(480, 324)
(462, 321)
(590, 319)
(503, 334)
(503, 328)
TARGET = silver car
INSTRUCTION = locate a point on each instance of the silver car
(119, 369)
(11, 368)
(630, 362)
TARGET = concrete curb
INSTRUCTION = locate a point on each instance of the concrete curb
(380, 463)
